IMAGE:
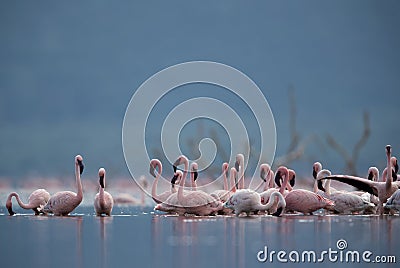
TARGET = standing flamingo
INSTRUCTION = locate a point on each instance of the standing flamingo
(383, 190)
(345, 202)
(155, 163)
(103, 201)
(299, 199)
(62, 203)
(36, 201)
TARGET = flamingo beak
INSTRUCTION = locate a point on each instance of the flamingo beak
(196, 174)
(388, 149)
(176, 163)
(370, 176)
(394, 175)
(396, 167)
(278, 178)
(237, 166)
(262, 175)
(320, 186)
(81, 166)
(151, 170)
(101, 181)
(278, 212)
(314, 173)
(174, 178)
(293, 181)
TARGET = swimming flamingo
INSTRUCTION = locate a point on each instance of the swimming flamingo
(36, 201)
(247, 200)
(103, 201)
(299, 199)
(345, 202)
(394, 201)
(383, 190)
(62, 203)
(155, 163)
(239, 165)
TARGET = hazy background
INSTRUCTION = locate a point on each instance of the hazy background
(69, 69)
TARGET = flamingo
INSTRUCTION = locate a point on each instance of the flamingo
(195, 202)
(36, 201)
(62, 203)
(299, 199)
(155, 163)
(394, 201)
(239, 165)
(103, 201)
(247, 200)
(383, 190)
(345, 203)
(172, 205)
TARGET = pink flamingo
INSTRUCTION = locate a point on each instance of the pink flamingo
(247, 200)
(36, 201)
(345, 202)
(383, 190)
(195, 202)
(155, 163)
(103, 201)
(172, 205)
(299, 199)
(62, 203)
(266, 175)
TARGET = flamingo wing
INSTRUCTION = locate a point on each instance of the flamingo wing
(360, 183)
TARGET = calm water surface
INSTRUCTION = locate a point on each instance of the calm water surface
(137, 237)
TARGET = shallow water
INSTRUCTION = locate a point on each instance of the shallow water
(138, 237)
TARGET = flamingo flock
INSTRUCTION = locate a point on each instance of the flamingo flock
(275, 195)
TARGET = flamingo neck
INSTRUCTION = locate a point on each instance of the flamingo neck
(389, 178)
(79, 194)
(226, 187)
(241, 174)
(328, 187)
(154, 195)
(232, 179)
(285, 181)
(270, 184)
(20, 203)
(181, 197)
(194, 184)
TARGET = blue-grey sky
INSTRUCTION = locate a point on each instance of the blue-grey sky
(69, 69)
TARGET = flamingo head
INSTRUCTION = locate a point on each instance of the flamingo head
(152, 170)
(176, 178)
(79, 162)
(194, 168)
(179, 161)
(370, 174)
(225, 167)
(102, 173)
(264, 170)
(395, 164)
(388, 149)
(9, 208)
(292, 177)
(316, 168)
(239, 161)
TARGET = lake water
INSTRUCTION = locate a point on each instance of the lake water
(138, 237)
